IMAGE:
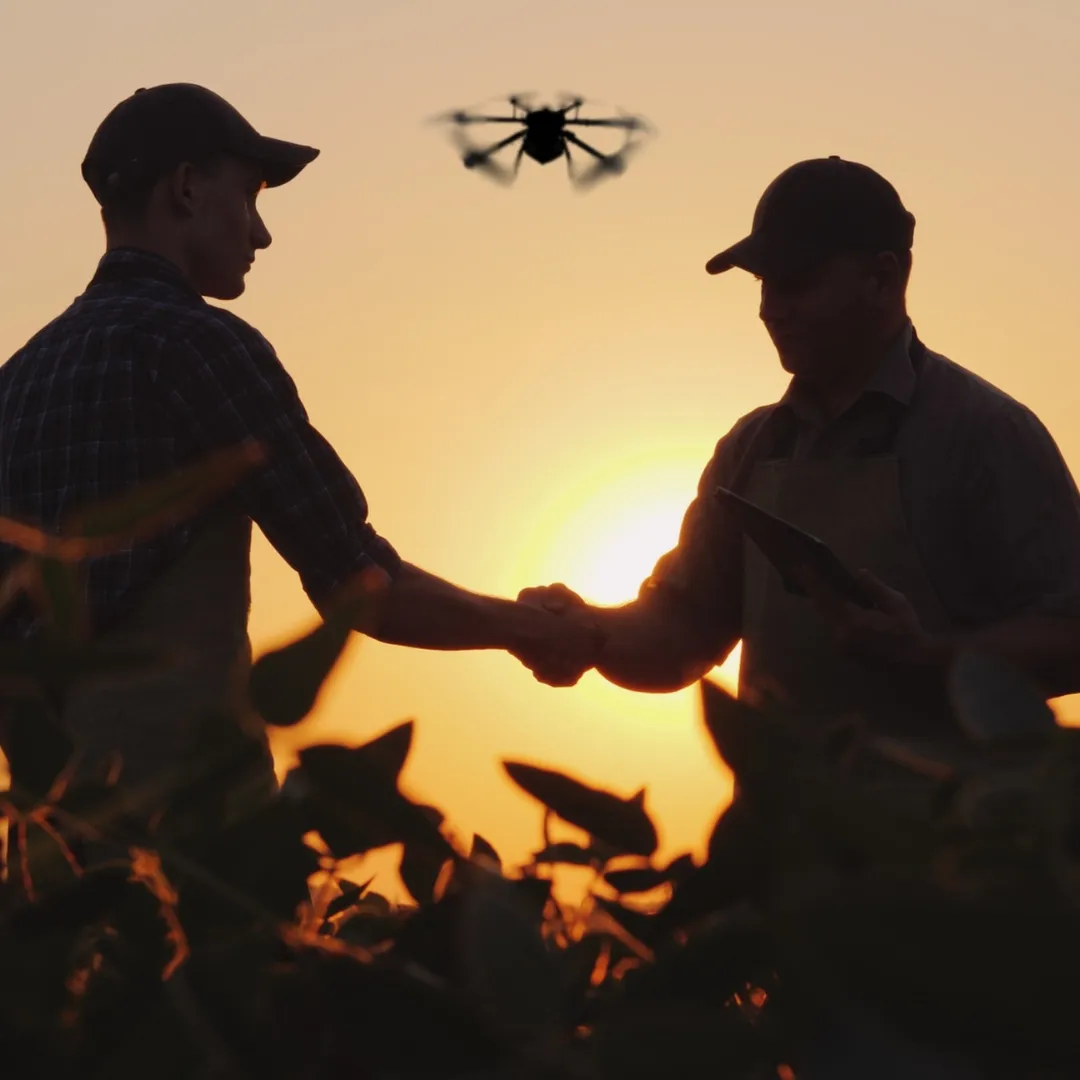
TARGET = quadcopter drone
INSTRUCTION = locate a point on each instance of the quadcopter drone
(546, 134)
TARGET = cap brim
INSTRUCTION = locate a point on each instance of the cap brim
(746, 255)
(281, 161)
(769, 256)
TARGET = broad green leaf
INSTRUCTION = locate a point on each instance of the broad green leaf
(567, 853)
(481, 848)
(623, 823)
(992, 700)
(681, 868)
(138, 515)
(637, 924)
(151, 508)
(535, 893)
(37, 747)
(377, 763)
(354, 800)
(508, 970)
(950, 971)
(420, 869)
(285, 683)
(67, 615)
(636, 880)
(680, 1039)
(812, 805)
(719, 959)
(350, 894)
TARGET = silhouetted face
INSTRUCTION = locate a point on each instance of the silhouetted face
(821, 321)
(224, 230)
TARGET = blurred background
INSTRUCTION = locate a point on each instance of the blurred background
(528, 381)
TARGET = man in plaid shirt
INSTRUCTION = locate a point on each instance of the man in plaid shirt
(140, 375)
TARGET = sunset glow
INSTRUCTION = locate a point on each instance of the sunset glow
(528, 381)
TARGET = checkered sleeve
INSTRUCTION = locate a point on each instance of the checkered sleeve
(225, 384)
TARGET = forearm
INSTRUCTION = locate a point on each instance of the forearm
(1045, 648)
(655, 648)
(426, 612)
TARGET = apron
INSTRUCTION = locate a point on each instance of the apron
(198, 611)
(854, 505)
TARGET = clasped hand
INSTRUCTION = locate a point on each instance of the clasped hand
(572, 639)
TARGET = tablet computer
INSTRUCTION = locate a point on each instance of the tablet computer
(788, 548)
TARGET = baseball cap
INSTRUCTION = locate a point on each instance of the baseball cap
(159, 127)
(816, 209)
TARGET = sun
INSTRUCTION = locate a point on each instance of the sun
(603, 535)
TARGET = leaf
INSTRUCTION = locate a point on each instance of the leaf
(808, 803)
(535, 893)
(623, 823)
(506, 965)
(350, 894)
(992, 700)
(568, 854)
(285, 683)
(420, 869)
(159, 504)
(481, 848)
(681, 869)
(66, 612)
(718, 960)
(37, 747)
(637, 924)
(636, 880)
(354, 800)
(377, 763)
(137, 515)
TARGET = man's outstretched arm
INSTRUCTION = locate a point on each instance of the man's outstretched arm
(427, 612)
(652, 645)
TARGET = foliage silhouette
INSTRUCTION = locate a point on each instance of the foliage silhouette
(203, 925)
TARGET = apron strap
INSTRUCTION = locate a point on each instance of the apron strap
(775, 435)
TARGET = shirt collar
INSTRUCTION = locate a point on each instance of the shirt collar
(132, 264)
(894, 377)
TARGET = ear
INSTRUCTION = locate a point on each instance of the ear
(886, 278)
(182, 189)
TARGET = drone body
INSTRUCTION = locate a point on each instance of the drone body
(545, 135)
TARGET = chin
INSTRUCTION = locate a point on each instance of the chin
(225, 290)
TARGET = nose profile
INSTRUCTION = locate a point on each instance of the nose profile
(260, 234)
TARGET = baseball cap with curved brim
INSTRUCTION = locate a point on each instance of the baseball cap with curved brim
(816, 209)
(156, 129)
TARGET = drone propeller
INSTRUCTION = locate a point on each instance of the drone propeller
(626, 123)
(480, 158)
(604, 166)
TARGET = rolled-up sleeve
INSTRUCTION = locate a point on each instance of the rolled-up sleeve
(703, 573)
(229, 385)
(1025, 511)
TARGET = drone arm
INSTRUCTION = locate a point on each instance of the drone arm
(494, 148)
(571, 137)
(628, 123)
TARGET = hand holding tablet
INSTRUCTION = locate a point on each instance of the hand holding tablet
(794, 552)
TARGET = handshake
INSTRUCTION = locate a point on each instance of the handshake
(564, 638)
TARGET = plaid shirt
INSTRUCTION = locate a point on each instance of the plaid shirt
(139, 376)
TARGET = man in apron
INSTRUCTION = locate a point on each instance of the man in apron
(950, 497)
(139, 376)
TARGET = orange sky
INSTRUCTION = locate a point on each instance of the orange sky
(527, 382)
